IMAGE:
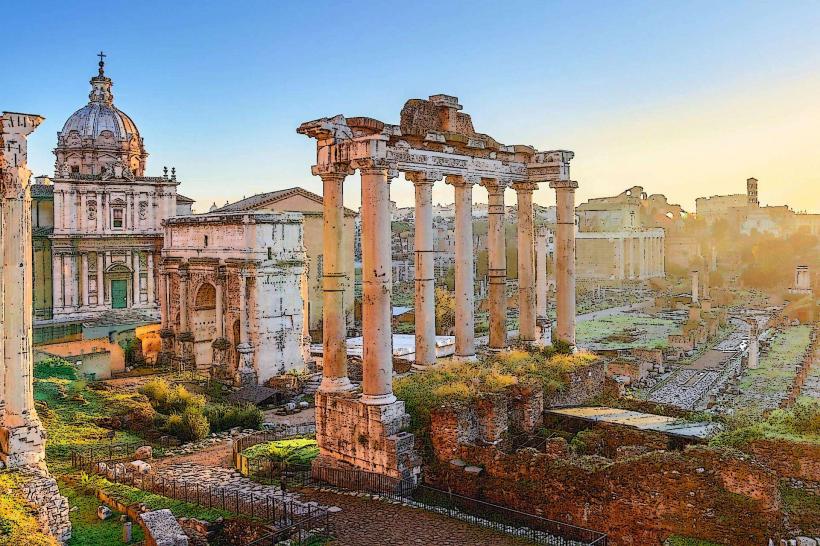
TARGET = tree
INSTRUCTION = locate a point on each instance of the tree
(445, 311)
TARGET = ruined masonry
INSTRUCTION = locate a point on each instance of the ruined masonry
(433, 141)
(22, 437)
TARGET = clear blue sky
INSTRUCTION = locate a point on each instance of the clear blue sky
(685, 98)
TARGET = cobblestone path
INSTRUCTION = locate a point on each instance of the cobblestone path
(369, 522)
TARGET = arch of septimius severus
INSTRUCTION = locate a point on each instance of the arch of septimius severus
(433, 141)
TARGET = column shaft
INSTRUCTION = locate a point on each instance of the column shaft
(334, 280)
(565, 261)
(496, 263)
(377, 385)
(220, 313)
(465, 305)
(100, 279)
(57, 281)
(150, 279)
(183, 301)
(84, 278)
(135, 298)
(425, 306)
(526, 262)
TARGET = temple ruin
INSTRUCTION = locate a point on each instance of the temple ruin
(433, 141)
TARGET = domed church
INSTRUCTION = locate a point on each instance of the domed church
(101, 216)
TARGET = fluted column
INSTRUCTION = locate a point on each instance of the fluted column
(565, 259)
(496, 262)
(425, 305)
(465, 312)
(377, 384)
(526, 261)
(334, 282)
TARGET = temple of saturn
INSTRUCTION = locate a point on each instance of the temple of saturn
(433, 141)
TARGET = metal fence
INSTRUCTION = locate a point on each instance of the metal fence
(241, 462)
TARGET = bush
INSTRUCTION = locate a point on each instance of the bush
(295, 451)
(188, 426)
(167, 399)
(224, 416)
(55, 367)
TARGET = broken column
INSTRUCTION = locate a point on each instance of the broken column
(497, 262)
(695, 286)
(754, 348)
(465, 312)
(22, 437)
(334, 282)
(425, 305)
(526, 261)
(565, 259)
(542, 319)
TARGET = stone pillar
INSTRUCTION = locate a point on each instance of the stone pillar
(220, 344)
(565, 259)
(695, 290)
(541, 308)
(22, 438)
(100, 280)
(496, 262)
(79, 212)
(245, 375)
(377, 385)
(58, 211)
(166, 333)
(84, 278)
(183, 297)
(425, 306)
(57, 282)
(754, 349)
(465, 308)
(152, 300)
(334, 282)
(526, 262)
(135, 260)
(71, 281)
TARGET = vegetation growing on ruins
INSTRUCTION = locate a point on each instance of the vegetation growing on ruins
(775, 371)
(625, 331)
(801, 422)
(295, 450)
(86, 528)
(18, 522)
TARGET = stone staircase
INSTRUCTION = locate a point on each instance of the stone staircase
(312, 384)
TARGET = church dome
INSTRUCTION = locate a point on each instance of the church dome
(95, 117)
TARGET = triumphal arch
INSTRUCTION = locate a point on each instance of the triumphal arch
(433, 141)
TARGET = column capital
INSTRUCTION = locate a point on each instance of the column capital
(494, 185)
(376, 165)
(332, 170)
(524, 187)
(423, 177)
(564, 184)
(465, 180)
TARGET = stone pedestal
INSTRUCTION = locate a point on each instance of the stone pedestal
(246, 374)
(220, 369)
(367, 437)
(186, 350)
(166, 354)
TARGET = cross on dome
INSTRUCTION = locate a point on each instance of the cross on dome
(102, 57)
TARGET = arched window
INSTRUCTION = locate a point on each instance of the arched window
(206, 297)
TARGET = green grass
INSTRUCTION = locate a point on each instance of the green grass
(296, 450)
(18, 523)
(776, 371)
(625, 331)
(86, 528)
(686, 541)
(801, 505)
(799, 423)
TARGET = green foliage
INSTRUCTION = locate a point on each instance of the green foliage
(775, 371)
(800, 423)
(188, 426)
(225, 416)
(18, 522)
(445, 311)
(625, 331)
(55, 367)
(86, 528)
(169, 399)
(296, 451)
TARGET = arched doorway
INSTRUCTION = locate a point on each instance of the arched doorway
(118, 281)
(204, 324)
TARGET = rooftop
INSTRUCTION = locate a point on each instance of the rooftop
(261, 199)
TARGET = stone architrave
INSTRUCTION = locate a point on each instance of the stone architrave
(22, 437)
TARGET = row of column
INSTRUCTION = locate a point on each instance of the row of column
(640, 256)
(377, 273)
(71, 209)
(71, 281)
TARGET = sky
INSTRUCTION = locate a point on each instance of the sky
(687, 99)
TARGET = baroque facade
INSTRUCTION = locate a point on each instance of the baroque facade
(232, 294)
(106, 216)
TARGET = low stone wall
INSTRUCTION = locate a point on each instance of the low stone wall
(42, 494)
(798, 460)
(583, 383)
(703, 492)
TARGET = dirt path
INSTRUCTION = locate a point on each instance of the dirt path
(216, 455)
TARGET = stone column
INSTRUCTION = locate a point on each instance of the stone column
(334, 282)
(22, 438)
(542, 318)
(465, 307)
(220, 345)
(753, 344)
(84, 278)
(245, 375)
(641, 256)
(496, 262)
(377, 385)
(695, 290)
(166, 333)
(183, 298)
(526, 261)
(100, 280)
(152, 300)
(58, 211)
(565, 259)
(425, 305)
(135, 260)
(57, 282)
(71, 281)
(80, 210)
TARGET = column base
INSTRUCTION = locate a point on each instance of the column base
(465, 358)
(23, 445)
(246, 374)
(355, 435)
(377, 399)
(336, 384)
(544, 334)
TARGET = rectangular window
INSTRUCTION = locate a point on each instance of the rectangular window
(117, 218)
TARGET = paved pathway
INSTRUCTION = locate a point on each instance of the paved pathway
(379, 523)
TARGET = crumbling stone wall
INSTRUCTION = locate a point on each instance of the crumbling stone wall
(583, 383)
(41, 492)
(798, 460)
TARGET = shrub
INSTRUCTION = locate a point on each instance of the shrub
(295, 451)
(224, 416)
(55, 367)
(188, 426)
(167, 399)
